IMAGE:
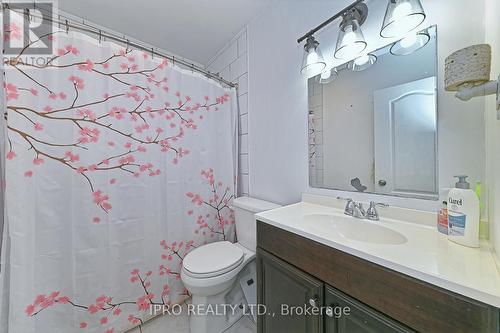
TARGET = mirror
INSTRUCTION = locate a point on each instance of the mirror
(373, 128)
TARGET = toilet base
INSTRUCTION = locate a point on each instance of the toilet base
(215, 313)
(229, 303)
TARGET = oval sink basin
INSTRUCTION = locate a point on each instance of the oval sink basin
(353, 229)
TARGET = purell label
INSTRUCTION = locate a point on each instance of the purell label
(456, 223)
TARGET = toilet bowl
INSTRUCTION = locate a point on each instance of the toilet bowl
(211, 272)
(213, 268)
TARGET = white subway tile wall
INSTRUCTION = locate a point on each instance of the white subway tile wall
(315, 133)
(232, 64)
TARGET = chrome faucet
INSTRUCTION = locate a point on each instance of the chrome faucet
(372, 213)
(359, 212)
(355, 209)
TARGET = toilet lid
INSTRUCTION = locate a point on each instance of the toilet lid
(213, 259)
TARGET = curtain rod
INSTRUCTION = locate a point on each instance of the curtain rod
(330, 20)
(68, 23)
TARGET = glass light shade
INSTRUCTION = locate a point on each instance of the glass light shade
(328, 76)
(361, 63)
(410, 43)
(312, 61)
(351, 41)
(401, 17)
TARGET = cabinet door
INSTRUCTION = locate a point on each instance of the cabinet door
(361, 318)
(281, 287)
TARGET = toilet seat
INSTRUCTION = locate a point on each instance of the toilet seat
(213, 259)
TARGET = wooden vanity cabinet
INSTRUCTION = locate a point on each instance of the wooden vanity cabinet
(280, 283)
(297, 271)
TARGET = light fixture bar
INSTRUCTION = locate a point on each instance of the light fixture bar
(330, 20)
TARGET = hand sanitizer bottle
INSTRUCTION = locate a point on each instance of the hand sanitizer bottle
(463, 214)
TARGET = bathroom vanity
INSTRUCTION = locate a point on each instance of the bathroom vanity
(420, 284)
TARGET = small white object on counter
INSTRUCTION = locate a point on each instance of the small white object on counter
(425, 255)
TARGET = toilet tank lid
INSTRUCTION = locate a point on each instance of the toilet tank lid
(253, 205)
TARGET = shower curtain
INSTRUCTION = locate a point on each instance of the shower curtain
(117, 164)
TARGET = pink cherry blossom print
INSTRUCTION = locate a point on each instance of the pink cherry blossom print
(77, 81)
(38, 161)
(11, 155)
(122, 130)
(12, 32)
(11, 91)
(87, 66)
(72, 49)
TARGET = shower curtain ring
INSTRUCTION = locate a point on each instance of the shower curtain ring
(192, 68)
(152, 53)
(128, 44)
(100, 36)
(67, 27)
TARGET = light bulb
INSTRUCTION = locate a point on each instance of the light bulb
(401, 10)
(360, 61)
(312, 57)
(350, 36)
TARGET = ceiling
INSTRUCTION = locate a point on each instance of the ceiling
(194, 29)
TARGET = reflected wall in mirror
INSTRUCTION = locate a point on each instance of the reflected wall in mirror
(373, 128)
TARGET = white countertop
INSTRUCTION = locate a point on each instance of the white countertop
(427, 255)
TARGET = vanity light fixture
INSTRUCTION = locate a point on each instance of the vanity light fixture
(361, 63)
(351, 41)
(401, 17)
(328, 76)
(410, 44)
(312, 61)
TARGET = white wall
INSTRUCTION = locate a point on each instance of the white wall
(492, 24)
(278, 95)
(231, 62)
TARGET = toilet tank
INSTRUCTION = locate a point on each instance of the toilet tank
(245, 209)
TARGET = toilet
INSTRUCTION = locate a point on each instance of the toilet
(222, 273)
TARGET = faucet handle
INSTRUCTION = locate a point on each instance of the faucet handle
(349, 207)
(371, 213)
(380, 204)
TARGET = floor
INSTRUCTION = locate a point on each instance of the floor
(180, 324)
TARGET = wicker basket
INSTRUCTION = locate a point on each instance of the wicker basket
(471, 65)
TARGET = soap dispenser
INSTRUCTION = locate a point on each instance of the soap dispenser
(463, 214)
